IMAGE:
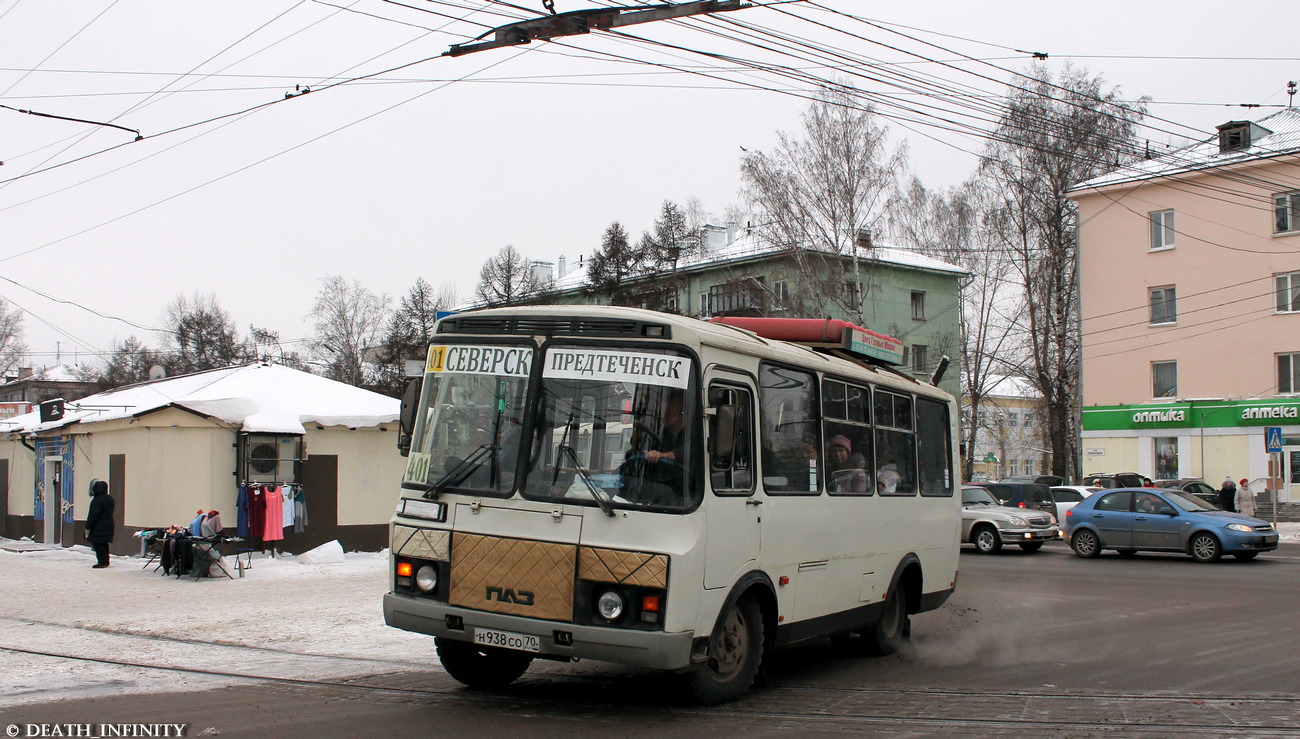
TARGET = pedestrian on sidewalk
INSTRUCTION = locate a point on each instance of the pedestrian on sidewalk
(1228, 495)
(99, 522)
(1245, 498)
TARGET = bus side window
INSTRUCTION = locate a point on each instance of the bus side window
(731, 431)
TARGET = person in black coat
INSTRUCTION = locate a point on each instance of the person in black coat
(99, 522)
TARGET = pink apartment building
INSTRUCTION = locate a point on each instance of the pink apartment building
(1190, 309)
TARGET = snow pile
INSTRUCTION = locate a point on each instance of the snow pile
(55, 602)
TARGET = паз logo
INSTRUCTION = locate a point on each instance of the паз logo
(508, 595)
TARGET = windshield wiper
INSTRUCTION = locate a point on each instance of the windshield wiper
(596, 492)
(458, 474)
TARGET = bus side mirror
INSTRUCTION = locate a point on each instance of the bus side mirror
(406, 423)
(724, 436)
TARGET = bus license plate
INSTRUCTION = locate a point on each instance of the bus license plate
(507, 640)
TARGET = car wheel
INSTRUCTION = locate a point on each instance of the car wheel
(484, 668)
(1032, 546)
(735, 654)
(1085, 543)
(986, 540)
(1245, 556)
(1205, 548)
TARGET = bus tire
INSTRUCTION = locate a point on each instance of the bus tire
(735, 655)
(480, 667)
(894, 627)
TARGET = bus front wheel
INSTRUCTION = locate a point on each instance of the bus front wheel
(483, 668)
(735, 654)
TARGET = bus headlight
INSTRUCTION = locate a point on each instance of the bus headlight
(426, 578)
(610, 605)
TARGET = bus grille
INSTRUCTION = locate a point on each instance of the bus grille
(542, 325)
(515, 576)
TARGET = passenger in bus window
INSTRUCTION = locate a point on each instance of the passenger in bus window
(846, 468)
(887, 479)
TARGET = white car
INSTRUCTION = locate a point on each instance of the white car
(988, 524)
(1068, 496)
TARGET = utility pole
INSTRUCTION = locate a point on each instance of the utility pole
(585, 21)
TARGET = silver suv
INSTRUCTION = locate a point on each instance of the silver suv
(987, 524)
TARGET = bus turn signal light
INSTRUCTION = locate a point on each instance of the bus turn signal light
(404, 569)
(650, 603)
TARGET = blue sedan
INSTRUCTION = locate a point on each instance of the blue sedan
(1157, 520)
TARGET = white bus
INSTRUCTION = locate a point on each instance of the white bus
(655, 490)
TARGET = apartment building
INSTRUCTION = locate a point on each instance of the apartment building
(1189, 273)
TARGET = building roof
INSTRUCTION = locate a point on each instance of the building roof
(1281, 139)
(748, 246)
(258, 397)
(57, 373)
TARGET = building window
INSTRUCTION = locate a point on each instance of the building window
(1164, 308)
(744, 296)
(706, 304)
(1030, 419)
(1164, 379)
(1167, 458)
(1162, 229)
(781, 293)
(853, 293)
(918, 306)
(1013, 419)
(1287, 208)
(1287, 290)
(919, 361)
(1288, 373)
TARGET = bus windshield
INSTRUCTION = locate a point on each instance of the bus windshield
(616, 428)
(472, 409)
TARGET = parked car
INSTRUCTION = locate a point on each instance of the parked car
(1040, 479)
(988, 524)
(1068, 496)
(1158, 520)
(1022, 495)
(1114, 480)
(1193, 485)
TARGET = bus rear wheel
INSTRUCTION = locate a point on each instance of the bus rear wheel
(483, 668)
(894, 627)
(735, 655)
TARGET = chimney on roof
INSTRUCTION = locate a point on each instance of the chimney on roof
(864, 239)
(562, 267)
(543, 272)
(24, 373)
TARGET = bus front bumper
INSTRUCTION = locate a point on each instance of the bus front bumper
(652, 649)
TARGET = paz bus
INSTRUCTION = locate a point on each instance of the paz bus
(616, 484)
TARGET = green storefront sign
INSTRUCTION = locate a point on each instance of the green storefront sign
(1192, 414)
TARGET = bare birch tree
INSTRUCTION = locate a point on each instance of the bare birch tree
(12, 348)
(820, 192)
(1055, 134)
(201, 335)
(954, 226)
(349, 320)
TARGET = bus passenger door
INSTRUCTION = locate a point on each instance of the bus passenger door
(732, 509)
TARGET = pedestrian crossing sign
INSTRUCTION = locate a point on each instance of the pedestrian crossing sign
(1273, 439)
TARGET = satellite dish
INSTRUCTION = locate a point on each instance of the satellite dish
(157, 372)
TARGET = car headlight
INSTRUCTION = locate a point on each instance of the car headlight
(426, 578)
(1017, 521)
(1241, 527)
(610, 605)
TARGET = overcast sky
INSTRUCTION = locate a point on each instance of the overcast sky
(428, 170)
